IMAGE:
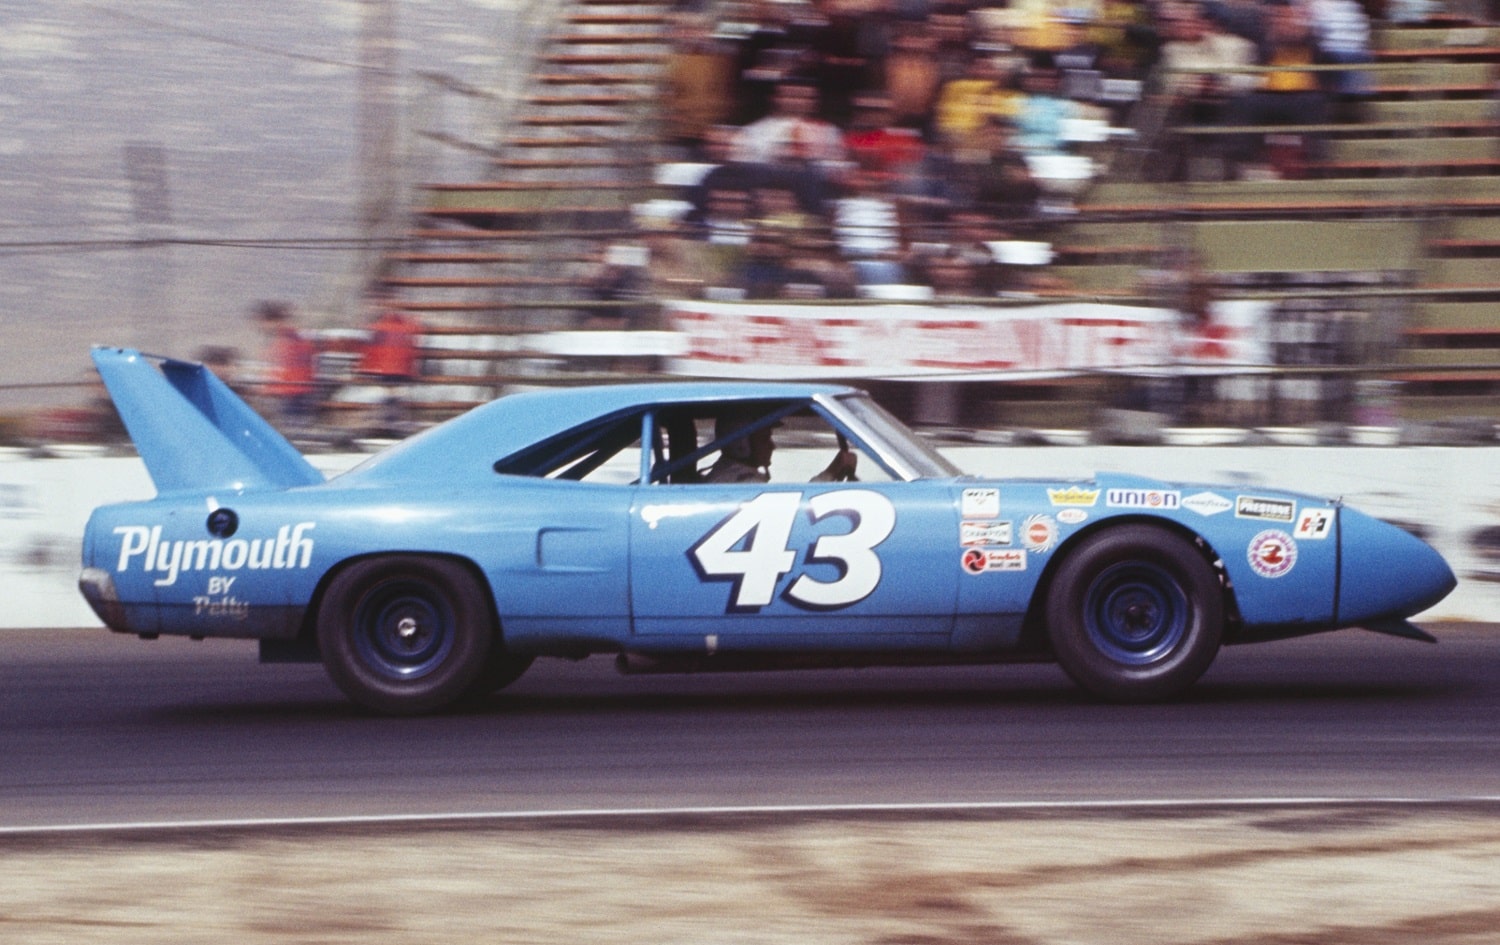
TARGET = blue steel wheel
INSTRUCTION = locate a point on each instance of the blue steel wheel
(1135, 613)
(403, 630)
(405, 634)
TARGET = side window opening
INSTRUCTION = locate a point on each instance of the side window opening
(607, 451)
(771, 441)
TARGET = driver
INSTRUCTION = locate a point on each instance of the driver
(748, 458)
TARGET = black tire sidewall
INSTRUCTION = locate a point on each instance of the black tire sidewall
(1096, 671)
(473, 634)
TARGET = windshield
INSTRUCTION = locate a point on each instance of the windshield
(906, 451)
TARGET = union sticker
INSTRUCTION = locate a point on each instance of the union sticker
(1158, 499)
(1272, 553)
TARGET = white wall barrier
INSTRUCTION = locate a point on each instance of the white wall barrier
(1451, 494)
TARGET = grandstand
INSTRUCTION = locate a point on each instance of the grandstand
(1376, 255)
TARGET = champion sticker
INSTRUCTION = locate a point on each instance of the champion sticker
(1207, 503)
(1272, 553)
(984, 533)
(980, 560)
(980, 503)
(1039, 533)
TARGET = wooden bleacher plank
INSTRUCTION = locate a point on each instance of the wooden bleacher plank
(1467, 233)
(1307, 245)
(1435, 77)
(1460, 273)
(1296, 197)
(1442, 114)
(1411, 153)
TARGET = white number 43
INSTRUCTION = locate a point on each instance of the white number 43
(752, 547)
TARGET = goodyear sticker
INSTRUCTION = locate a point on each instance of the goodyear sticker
(1207, 503)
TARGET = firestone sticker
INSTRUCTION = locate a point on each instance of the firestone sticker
(1272, 553)
(1039, 533)
(980, 560)
(1073, 495)
(1207, 503)
(1143, 499)
(984, 533)
(980, 503)
(1266, 510)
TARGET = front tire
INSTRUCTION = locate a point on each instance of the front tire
(404, 634)
(1135, 614)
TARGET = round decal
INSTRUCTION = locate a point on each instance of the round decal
(1039, 533)
(1272, 553)
(1072, 516)
(973, 561)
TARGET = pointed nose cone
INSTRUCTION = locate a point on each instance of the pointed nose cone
(1385, 571)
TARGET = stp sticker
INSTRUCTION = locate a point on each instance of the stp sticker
(1039, 533)
(1272, 553)
(1314, 524)
(980, 560)
(980, 503)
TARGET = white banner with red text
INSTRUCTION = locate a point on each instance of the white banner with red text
(772, 340)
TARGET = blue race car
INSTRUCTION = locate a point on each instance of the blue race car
(643, 520)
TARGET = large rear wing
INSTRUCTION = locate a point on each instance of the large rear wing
(192, 431)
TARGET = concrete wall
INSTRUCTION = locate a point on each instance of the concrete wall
(1450, 493)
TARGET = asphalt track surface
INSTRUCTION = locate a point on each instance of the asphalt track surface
(102, 729)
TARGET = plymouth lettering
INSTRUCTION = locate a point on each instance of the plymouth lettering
(290, 549)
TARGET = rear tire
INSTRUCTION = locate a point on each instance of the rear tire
(405, 634)
(1135, 614)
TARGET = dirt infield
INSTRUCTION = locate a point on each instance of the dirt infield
(1370, 875)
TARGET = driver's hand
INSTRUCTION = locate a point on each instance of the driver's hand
(843, 465)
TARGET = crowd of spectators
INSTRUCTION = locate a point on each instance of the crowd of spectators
(903, 148)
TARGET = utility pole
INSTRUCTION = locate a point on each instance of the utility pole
(378, 127)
